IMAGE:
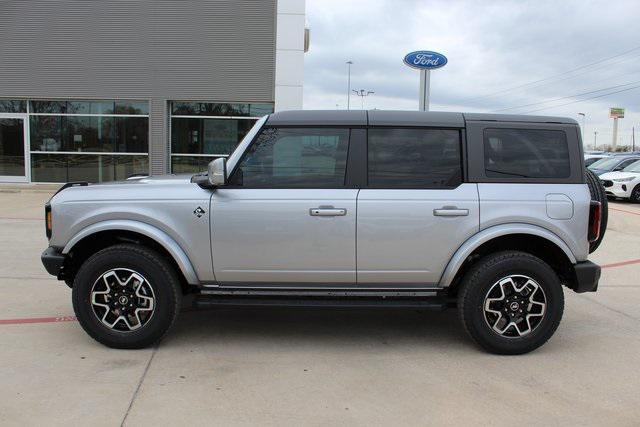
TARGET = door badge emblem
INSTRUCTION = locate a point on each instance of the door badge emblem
(199, 212)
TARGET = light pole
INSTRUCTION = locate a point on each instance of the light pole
(584, 124)
(349, 63)
(595, 140)
(362, 94)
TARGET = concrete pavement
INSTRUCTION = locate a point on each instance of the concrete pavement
(312, 367)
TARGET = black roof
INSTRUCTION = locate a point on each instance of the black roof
(398, 118)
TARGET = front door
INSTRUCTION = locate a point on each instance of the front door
(286, 217)
(13, 151)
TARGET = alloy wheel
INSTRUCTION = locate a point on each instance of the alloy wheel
(514, 306)
(123, 300)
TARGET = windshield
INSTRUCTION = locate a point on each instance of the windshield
(633, 167)
(605, 164)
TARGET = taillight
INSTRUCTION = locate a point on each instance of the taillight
(595, 217)
(48, 220)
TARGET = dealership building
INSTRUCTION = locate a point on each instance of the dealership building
(99, 91)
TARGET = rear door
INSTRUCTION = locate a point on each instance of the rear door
(415, 210)
(287, 217)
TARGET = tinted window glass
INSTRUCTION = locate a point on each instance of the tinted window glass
(13, 106)
(286, 157)
(526, 153)
(207, 136)
(414, 158)
(219, 109)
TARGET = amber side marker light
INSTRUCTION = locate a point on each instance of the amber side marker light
(48, 220)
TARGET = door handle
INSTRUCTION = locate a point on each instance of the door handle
(327, 212)
(450, 211)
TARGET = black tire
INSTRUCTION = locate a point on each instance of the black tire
(480, 280)
(635, 194)
(159, 276)
(599, 195)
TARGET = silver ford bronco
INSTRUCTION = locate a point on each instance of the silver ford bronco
(491, 214)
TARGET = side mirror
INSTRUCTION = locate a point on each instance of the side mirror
(217, 171)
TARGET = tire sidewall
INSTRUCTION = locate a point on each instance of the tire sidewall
(159, 281)
(548, 281)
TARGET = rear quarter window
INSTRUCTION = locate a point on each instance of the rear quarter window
(526, 153)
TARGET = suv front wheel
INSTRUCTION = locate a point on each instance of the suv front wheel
(511, 302)
(126, 296)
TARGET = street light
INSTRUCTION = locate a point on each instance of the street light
(362, 94)
(595, 140)
(349, 63)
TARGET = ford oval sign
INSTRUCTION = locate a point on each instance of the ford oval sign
(425, 60)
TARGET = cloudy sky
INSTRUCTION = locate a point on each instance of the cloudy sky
(551, 52)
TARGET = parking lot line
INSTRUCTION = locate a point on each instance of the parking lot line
(38, 320)
(620, 264)
(625, 211)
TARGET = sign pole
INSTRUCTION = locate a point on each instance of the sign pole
(615, 134)
(425, 80)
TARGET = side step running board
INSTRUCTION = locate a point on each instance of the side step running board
(434, 303)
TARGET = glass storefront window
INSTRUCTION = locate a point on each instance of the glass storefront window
(89, 107)
(90, 133)
(60, 129)
(190, 164)
(52, 167)
(13, 106)
(220, 109)
(216, 135)
(207, 136)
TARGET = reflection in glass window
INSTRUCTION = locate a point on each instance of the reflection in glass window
(219, 109)
(207, 136)
(51, 167)
(13, 106)
(414, 158)
(190, 164)
(526, 153)
(287, 157)
(89, 107)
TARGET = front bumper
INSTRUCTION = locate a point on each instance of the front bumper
(53, 261)
(617, 189)
(587, 275)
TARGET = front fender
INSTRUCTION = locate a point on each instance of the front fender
(150, 231)
(491, 233)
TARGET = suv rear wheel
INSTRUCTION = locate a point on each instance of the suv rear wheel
(126, 296)
(511, 302)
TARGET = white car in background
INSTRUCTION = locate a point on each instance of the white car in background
(624, 184)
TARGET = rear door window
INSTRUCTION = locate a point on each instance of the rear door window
(414, 158)
(526, 153)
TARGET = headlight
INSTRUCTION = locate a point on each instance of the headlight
(623, 179)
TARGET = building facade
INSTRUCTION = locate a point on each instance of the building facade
(98, 91)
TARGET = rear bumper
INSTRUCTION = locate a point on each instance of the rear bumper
(53, 261)
(587, 275)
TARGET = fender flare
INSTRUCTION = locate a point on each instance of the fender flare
(491, 233)
(154, 233)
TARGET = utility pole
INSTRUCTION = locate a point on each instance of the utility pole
(362, 94)
(349, 63)
(595, 140)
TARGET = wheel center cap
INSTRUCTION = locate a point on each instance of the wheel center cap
(514, 306)
(123, 300)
